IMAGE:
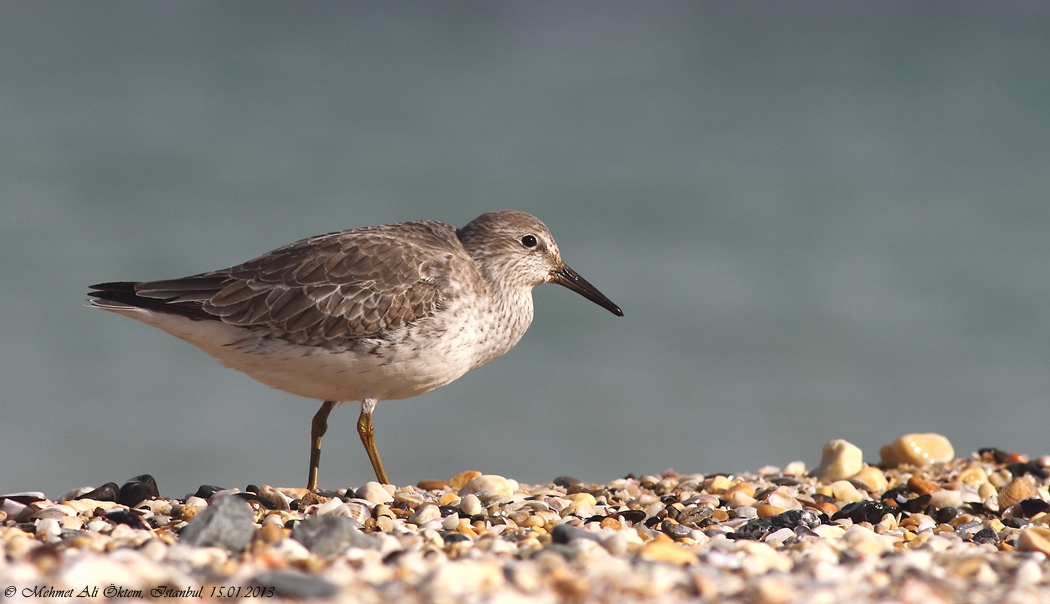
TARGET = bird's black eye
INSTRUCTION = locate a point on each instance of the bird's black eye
(529, 241)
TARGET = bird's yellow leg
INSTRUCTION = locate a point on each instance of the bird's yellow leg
(317, 430)
(367, 433)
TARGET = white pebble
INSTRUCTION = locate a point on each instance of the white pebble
(375, 493)
(425, 514)
(470, 505)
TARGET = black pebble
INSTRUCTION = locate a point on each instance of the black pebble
(917, 505)
(1016, 523)
(986, 535)
(107, 492)
(126, 517)
(454, 537)
(137, 490)
(566, 481)
(255, 497)
(1031, 507)
(447, 510)
(864, 511)
(790, 519)
(1027, 467)
(946, 515)
(205, 491)
(566, 533)
(633, 516)
(294, 584)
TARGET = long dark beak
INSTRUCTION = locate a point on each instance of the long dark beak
(570, 279)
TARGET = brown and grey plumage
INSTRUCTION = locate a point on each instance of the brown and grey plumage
(377, 313)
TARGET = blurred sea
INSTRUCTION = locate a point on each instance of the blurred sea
(822, 220)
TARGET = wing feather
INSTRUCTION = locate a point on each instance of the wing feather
(351, 284)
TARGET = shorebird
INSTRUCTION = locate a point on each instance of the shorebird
(377, 313)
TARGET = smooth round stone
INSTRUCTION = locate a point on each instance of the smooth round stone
(48, 529)
(843, 490)
(945, 498)
(840, 460)
(783, 501)
(866, 541)
(205, 491)
(717, 485)
(740, 500)
(1034, 539)
(489, 486)
(470, 505)
(227, 523)
(873, 478)
(746, 511)
(460, 480)
(272, 532)
(375, 493)
(668, 553)
(917, 450)
(107, 492)
(425, 514)
(742, 487)
(137, 490)
(428, 484)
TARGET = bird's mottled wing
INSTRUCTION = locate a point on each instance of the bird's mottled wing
(360, 283)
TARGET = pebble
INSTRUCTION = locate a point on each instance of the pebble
(840, 460)
(375, 493)
(489, 487)
(227, 523)
(460, 480)
(667, 552)
(1034, 539)
(107, 492)
(917, 450)
(878, 536)
(872, 477)
(470, 505)
(843, 490)
(137, 490)
(425, 513)
(328, 536)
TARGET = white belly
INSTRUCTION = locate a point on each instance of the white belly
(401, 367)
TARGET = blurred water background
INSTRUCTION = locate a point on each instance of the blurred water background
(822, 220)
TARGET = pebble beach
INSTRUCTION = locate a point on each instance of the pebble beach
(923, 525)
